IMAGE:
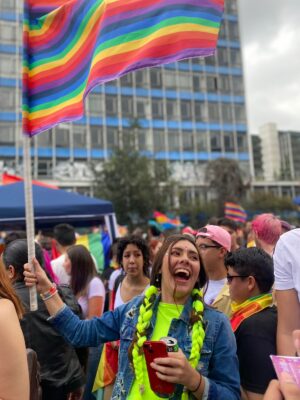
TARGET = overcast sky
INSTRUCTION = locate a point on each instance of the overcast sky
(270, 35)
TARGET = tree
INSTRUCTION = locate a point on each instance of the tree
(225, 178)
(131, 182)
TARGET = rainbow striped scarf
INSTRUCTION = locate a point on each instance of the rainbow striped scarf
(70, 46)
(251, 306)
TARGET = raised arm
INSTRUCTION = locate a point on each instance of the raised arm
(14, 380)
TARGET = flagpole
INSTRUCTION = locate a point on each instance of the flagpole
(29, 213)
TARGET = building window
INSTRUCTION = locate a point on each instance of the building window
(79, 135)
(62, 137)
(159, 141)
(127, 106)
(7, 133)
(7, 65)
(172, 110)
(45, 169)
(7, 99)
(210, 60)
(155, 78)
(7, 32)
(201, 141)
(222, 34)
(196, 83)
(233, 30)
(141, 78)
(227, 112)
(240, 114)
(184, 81)
(186, 110)
(223, 57)
(231, 7)
(7, 5)
(213, 112)
(215, 141)
(157, 108)
(199, 111)
(174, 140)
(224, 83)
(235, 58)
(238, 86)
(228, 141)
(170, 79)
(96, 137)
(212, 83)
(187, 141)
(95, 104)
(126, 80)
(111, 105)
(142, 107)
(242, 142)
(45, 139)
(142, 139)
(112, 138)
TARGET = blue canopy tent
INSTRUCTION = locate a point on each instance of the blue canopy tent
(53, 206)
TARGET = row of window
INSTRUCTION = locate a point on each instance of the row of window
(173, 139)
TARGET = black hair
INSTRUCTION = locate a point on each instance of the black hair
(141, 244)
(64, 234)
(228, 222)
(255, 262)
(14, 235)
(16, 254)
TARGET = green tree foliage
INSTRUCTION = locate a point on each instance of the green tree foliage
(268, 202)
(131, 182)
(225, 178)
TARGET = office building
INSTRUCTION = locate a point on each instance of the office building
(185, 113)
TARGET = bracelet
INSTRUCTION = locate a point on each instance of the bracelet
(51, 292)
(198, 386)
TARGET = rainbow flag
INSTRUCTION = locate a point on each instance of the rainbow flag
(72, 46)
(235, 212)
(163, 222)
(99, 246)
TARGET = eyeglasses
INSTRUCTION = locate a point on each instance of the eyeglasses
(231, 277)
(207, 246)
(203, 230)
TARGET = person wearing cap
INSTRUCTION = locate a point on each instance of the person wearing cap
(214, 243)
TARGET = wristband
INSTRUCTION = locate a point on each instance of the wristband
(198, 386)
(51, 292)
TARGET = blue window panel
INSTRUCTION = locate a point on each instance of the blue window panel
(8, 116)
(96, 121)
(99, 153)
(63, 152)
(7, 151)
(142, 92)
(80, 153)
(228, 43)
(229, 17)
(8, 16)
(45, 152)
(8, 48)
(9, 82)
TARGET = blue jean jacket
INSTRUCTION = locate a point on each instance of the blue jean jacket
(218, 361)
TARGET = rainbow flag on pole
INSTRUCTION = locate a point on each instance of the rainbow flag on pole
(235, 212)
(72, 46)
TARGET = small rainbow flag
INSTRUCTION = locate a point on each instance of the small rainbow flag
(163, 222)
(99, 245)
(235, 212)
(70, 46)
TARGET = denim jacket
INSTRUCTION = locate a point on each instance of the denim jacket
(218, 361)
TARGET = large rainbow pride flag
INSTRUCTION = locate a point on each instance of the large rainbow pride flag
(71, 46)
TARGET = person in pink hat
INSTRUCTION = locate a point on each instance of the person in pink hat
(214, 243)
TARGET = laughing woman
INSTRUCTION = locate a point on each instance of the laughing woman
(205, 366)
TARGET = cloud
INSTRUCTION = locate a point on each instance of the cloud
(269, 33)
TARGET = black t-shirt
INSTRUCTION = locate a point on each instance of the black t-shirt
(256, 340)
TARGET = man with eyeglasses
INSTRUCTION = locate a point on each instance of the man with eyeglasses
(254, 317)
(214, 243)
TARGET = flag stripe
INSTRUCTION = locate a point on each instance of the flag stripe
(78, 44)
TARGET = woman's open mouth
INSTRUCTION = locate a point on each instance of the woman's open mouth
(182, 275)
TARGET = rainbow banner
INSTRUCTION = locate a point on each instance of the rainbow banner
(99, 246)
(72, 46)
(235, 212)
(162, 222)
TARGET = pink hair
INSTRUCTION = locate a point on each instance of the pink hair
(267, 227)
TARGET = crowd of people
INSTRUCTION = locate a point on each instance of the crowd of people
(229, 295)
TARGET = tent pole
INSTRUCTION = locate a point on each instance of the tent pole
(29, 214)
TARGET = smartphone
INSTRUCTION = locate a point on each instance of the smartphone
(152, 350)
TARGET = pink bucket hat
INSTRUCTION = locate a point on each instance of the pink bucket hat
(217, 234)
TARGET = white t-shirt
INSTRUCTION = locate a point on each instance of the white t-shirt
(112, 278)
(59, 270)
(118, 299)
(213, 289)
(95, 288)
(287, 261)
